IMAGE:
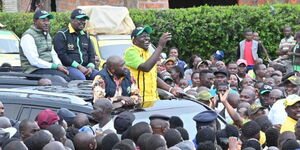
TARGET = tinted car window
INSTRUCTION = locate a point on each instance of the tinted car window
(25, 113)
(29, 112)
(12, 110)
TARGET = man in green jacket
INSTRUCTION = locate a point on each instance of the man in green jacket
(37, 54)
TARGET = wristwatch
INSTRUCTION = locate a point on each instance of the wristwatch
(123, 102)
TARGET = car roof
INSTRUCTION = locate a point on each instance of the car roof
(20, 79)
(183, 108)
(79, 88)
(22, 106)
(42, 96)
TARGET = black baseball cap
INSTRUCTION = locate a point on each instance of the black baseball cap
(79, 13)
(265, 89)
(41, 14)
(139, 30)
(222, 71)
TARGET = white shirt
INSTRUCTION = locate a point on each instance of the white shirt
(277, 113)
(30, 51)
(109, 125)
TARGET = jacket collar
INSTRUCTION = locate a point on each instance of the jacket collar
(71, 30)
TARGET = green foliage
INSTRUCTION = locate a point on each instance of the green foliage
(203, 30)
(20, 22)
(200, 30)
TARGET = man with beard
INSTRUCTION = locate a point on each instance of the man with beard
(115, 82)
(75, 48)
(36, 53)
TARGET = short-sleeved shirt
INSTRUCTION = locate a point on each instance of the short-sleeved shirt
(146, 81)
(287, 43)
(288, 125)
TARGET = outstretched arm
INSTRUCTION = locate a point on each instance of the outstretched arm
(233, 114)
(148, 64)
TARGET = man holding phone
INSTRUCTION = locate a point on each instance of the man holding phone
(142, 64)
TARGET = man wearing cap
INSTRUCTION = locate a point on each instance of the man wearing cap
(75, 49)
(242, 68)
(217, 56)
(205, 119)
(123, 121)
(205, 97)
(36, 53)
(291, 85)
(292, 108)
(159, 123)
(142, 64)
(255, 111)
(264, 96)
(202, 65)
(47, 118)
(169, 63)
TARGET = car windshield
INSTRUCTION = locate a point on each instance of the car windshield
(110, 50)
(117, 49)
(9, 46)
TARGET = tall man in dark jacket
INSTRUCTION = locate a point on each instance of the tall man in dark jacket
(75, 49)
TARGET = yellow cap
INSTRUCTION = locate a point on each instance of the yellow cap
(291, 100)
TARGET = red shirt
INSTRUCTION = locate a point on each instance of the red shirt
(248, 53)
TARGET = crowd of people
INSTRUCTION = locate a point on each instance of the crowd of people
(258, 97)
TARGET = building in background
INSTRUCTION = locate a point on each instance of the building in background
(68, 5)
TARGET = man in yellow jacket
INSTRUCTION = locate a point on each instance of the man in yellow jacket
(292, 108)
(142, 64)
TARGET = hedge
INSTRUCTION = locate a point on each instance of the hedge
(200, 30)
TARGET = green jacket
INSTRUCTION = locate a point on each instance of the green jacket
(44, 47)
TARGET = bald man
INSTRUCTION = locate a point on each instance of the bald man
(54, 146)
(247, 95)
(27, 128)
(81, 120)
(4, 122)
(16, 145)
(233, 99)
(102, 110)
(85, 141)
(116, 83)
(44, 82)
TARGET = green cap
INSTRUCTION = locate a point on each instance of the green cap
(42, 14)
(204, 96)
(139, 30)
